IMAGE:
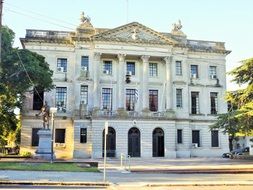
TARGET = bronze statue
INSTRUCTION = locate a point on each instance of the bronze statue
(45, 112)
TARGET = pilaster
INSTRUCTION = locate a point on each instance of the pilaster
(96, 69)
(145, 59)
(121, 80)
(169, 92)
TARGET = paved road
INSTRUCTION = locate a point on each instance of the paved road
(24, 187)
(126, 178)
(135, 187)
(141, 180)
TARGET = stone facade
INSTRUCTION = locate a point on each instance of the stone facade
(176, 86)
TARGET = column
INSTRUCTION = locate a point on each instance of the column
(96, 69)
(145, 94)
(121, 81)
(169, 91)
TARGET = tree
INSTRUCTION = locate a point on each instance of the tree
(239, 118)
(20, 71)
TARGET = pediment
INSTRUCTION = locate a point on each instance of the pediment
(135, 33)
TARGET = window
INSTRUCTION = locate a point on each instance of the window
(194, 71)
(62, 64)
(85, 63)
(212, 72)
(130, 99)
(195, 102)
(83, 135)
(107, 67)
(61, 98)
(179, 98)
(84, 94)
(131, 67)
(59, 135)
(38, 97)
(178, 68)
(215, 138)
(107, 98)
(214, 102)
(152, 69)
(179, 136)
(153, 100)
(35, 136)
(195, 137)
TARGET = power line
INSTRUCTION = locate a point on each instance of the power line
(1, 11)
(28, 76)
(37, 13)
(126, 11)
(30, 16)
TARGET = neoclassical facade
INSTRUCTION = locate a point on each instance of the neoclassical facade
(158, 91)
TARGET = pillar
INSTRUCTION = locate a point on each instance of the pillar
(169, 91)
(121, 81)
(145, 66)
(96, 72)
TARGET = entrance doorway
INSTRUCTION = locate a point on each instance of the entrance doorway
(134, 145)
(110, 142)
(158, 143)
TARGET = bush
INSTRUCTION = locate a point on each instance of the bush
(26, 154)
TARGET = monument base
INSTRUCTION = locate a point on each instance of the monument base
(44, 149)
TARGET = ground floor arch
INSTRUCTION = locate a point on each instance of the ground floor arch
(110, 142)
(158, 142)
(134, 142)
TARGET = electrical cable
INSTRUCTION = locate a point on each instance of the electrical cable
(28, 76)
(39, 14)
(38, 19)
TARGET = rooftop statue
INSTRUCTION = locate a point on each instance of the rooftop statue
(45, 112)
(176, 29)
(84, 18)
(177, 26)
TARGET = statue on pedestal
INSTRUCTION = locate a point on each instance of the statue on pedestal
(45, 112)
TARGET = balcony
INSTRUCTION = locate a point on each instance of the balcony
(47, 34)
(123, 114)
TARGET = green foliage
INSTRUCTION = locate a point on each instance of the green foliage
(240, 118)
(20, 71)
(26, 154)
(70, 167)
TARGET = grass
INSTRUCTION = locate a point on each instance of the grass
(67, 167)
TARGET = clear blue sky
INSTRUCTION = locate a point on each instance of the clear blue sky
(229, 21)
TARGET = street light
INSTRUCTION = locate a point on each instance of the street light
(52, 111)
(106, 126)
(105, 135)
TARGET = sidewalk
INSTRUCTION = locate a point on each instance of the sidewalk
(185, 165)
(146, 172)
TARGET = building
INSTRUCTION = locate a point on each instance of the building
(158, 91)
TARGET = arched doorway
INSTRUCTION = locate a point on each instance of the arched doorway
(158, 142)
(110, 142)
(134, 142)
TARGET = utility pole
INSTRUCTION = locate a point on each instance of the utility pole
(126, 11)
(1, 12)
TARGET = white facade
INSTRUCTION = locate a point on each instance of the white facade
(188, 86)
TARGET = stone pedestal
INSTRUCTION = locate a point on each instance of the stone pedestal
(251, 149)
(44, 149)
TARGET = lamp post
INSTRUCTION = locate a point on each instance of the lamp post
(106, 126)
(52, 111)
(105, 135)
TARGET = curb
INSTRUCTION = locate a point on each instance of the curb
(101, 184)
(34, 183)
(200, 171)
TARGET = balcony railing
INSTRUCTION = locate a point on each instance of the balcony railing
(130, 114)
(46, 34)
